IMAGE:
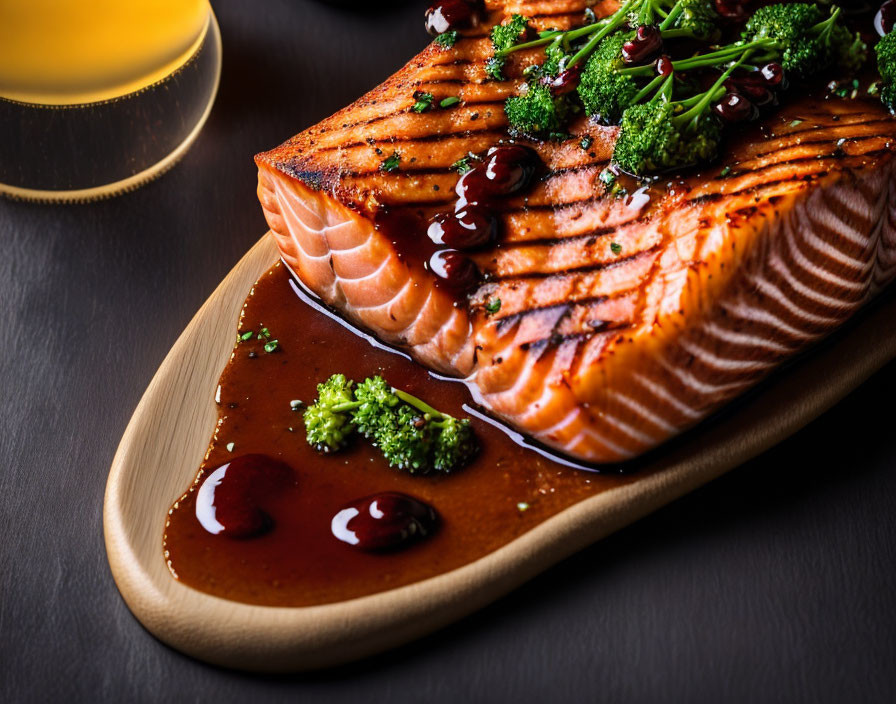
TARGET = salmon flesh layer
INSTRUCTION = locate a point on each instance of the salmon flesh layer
(599, 351)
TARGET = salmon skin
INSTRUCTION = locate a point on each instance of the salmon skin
(623, 320)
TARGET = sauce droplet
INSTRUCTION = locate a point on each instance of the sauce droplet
(446, 15)
(385, 521)
(470, 227)
(885, 19)
(231, 498)
(454, 269)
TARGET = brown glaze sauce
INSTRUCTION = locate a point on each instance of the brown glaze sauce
(506, 491)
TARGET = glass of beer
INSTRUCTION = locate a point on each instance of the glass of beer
(101, 96)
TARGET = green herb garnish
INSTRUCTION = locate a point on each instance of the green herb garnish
(493, 306)
(449, 101)
(424, 102)
(391, 163)
(271, 346)
(447, 39)
(615, 248)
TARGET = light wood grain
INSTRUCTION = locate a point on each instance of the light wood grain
(169, 432)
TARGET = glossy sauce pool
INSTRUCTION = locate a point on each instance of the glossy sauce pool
(506, 491)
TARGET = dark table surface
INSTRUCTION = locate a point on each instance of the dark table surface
(774, 583)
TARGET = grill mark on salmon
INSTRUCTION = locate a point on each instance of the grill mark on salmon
(602, 356)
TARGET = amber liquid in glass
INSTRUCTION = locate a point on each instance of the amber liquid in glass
(98, 97)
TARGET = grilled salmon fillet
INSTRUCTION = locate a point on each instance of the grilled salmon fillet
(623, 320)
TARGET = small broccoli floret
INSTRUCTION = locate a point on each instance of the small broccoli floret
(653, 139)
(404, 439)
(328, 422)
(411, 435)
(454, 444)
(605, 92)
(662, 135)
(886, 64)
(374, 396)
(504, 36)
(537, 111)
(806, 40)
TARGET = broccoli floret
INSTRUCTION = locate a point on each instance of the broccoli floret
(806, 41)
(653, 138)
(605, 92)
(404, 439)
(662, 135)
(410, 434)
(504, 36)
(886, 64)
(374, 396)
(328, 422)
(537, 111)
(454, 444)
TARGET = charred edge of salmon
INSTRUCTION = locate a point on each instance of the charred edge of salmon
(806, 270)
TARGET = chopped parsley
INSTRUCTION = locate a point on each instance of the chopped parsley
(391, 163)
(449, 101)
(586, 142)
(447, 39)
(264, 333)
(607, 177)
(493, 306)
(424, 102)
(271, 346)
(462, 165)
(615, 247)
(725, 172)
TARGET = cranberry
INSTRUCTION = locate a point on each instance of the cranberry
(773, 74)
(664, 65)
(885, 19)
(229, 501)
(506, 169)
(647, 43)
(751, 84)
(734, 10)
(445, 15)
(736, 108)
(384, 521)
(564, 82)
(455, 269)
(470, 227)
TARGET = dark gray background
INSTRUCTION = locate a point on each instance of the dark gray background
(775, 583)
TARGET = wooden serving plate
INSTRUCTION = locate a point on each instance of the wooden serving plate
(168, 435)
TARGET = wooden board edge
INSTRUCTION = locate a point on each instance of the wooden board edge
(173, 422)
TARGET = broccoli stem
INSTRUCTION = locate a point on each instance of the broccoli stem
(823, 29)
(615, 20)
(549, 37)
(648, 89)
(690, 118)
(421, 406)
(671, 17)
(714, 58)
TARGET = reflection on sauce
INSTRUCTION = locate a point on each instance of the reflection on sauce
(506, 491)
